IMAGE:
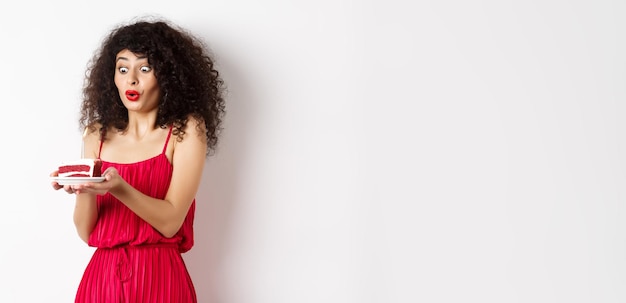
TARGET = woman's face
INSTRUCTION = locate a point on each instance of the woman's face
(136, 82)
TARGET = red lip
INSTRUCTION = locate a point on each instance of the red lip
(132, 95)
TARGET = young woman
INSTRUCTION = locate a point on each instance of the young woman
(152, 110)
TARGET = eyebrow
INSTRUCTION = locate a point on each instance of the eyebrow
(124, 58)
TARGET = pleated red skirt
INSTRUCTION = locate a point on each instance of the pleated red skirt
(146, 274)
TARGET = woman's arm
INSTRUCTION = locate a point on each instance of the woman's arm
(85, 215)
(166, 215)
(86, 209)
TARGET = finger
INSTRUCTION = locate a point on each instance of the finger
(68, 189)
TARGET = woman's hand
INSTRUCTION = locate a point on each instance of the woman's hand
(111, 179)
(56, 186)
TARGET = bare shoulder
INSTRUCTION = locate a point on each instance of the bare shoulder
(195, 126)
(194, 138)
(194, 131)
(91, 141)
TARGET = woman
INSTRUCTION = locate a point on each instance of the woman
(152, 111)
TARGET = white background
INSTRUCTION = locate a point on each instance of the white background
(374, 151)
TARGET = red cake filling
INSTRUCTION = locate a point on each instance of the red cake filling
(76, 170)
(81, 169)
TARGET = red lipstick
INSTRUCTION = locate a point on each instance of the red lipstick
(132, 95)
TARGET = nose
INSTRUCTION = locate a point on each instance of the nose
(131, 79)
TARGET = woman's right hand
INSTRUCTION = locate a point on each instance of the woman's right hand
(56, 186)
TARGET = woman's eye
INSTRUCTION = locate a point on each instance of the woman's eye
(123, 70)
(146, 68)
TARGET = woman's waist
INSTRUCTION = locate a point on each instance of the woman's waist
(142, 246)
(103, 243)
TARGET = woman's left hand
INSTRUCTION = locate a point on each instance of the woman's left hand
(111, 180)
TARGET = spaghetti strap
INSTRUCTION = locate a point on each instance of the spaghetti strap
(167, 140)
(101, 141)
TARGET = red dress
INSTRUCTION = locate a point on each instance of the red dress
(133, 262)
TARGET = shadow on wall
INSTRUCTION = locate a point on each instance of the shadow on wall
(217, 197)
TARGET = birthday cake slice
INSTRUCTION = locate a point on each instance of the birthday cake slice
(82, 168)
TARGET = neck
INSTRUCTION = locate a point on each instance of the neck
(139, 127)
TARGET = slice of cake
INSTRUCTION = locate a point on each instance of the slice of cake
(82, 168)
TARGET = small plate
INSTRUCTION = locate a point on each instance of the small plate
(77, 180)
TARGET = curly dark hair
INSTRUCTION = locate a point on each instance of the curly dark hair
(189, 83)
